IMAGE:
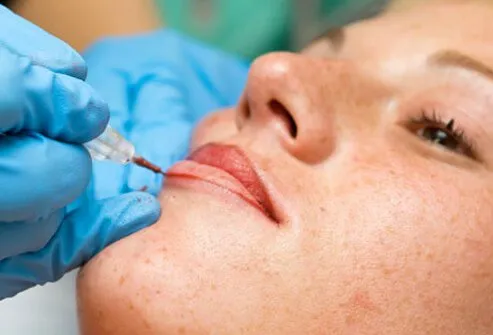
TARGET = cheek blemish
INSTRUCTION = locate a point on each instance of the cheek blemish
(359, 307)
(362, 300)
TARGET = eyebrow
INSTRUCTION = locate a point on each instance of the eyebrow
(335, 36)
(458, 59)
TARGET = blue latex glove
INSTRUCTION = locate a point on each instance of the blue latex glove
(46, 112)
(158, 86)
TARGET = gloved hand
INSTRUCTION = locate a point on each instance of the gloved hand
(46, 112)
(158, 85)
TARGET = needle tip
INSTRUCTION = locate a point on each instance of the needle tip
(140, 161)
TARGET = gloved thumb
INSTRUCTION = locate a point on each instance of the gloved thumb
(82, 234)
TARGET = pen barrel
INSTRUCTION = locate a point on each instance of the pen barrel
(111, 146)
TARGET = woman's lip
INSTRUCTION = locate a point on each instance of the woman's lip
(226, 166)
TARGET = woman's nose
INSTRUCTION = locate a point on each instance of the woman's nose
(301, 100)
(284, 96)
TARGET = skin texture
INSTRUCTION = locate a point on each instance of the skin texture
(386, 232)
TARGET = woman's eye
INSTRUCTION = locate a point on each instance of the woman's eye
(441, 137)
(448, 135)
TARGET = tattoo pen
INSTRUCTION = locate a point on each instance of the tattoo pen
(112, 146)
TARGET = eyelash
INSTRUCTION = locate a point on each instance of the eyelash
(433, 119)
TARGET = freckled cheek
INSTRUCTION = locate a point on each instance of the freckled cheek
(398, 195)
(420, 217)
(215, 127)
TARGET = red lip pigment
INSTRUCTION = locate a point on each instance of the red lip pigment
(140, 161)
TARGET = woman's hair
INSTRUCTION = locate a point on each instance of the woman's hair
(6, 3)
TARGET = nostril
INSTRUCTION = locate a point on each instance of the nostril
(247, 112)
(278, 109)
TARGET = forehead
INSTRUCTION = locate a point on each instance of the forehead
(398, 43)
(424, 29)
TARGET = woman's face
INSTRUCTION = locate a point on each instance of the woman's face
(368, 209)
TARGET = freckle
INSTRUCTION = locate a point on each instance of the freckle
(483, 275)
(122, 280)
(158, 292)
(131, 306)
(147, 261)
(146, 324)
(181, 330)
(388, 271)
(351, 320)
(322, 209)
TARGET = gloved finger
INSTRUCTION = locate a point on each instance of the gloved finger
(151, 111)
(56, 105)
(105, 187)
(39, 175)
(84, 233)
(114, 84)
(23, 38)
(20, 237)
(161, 125)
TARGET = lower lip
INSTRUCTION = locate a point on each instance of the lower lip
(211, 176)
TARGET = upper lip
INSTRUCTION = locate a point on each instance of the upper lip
(232, 160)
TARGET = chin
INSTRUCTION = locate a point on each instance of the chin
(181, 274)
